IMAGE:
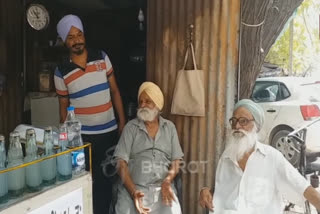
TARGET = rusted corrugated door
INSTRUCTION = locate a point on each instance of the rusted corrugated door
(11, 64)
(216, 36)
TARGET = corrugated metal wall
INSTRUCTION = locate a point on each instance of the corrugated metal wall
(11, 64)
(216, 36)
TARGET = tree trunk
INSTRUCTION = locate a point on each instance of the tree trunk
(262, 22)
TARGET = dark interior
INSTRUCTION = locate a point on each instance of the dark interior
(112, 26)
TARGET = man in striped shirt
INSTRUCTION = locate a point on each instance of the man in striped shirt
(85, 80)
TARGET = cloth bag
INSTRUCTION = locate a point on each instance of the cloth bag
(189, 97)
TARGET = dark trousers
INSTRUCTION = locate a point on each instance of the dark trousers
(103, 146)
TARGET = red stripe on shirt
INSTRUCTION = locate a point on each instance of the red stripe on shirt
(96, 66)
(62, 93)
(94, 109)
(90, 68)
(74, 76)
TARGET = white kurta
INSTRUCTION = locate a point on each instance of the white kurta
(267, 178)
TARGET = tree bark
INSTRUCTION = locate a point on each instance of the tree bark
(262, 22)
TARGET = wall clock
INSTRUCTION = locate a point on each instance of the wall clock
(37, 16)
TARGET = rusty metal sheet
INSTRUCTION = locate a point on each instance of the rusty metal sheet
(216, 33)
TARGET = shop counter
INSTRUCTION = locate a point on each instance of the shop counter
(72, 196)
(69, 197)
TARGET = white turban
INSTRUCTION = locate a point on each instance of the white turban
(154, 92)
(64, 25)
(255, 109)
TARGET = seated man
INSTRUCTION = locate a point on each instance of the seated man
(148, 156)
(252, 177)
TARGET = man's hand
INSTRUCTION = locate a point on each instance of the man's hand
(167, 193)
(137, 199)
(206, 199)
(313, 196)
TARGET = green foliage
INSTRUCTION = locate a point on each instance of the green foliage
(306, 43)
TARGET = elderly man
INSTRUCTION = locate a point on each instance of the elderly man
(148, 155)
(252, 177)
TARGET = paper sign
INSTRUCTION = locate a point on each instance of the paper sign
(68, 204)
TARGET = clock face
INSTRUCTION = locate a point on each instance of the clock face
(37, 16)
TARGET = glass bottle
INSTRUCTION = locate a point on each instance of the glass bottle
(64, 162)
(48, 167)
(16, 178)
(3, 176)
(33, 173)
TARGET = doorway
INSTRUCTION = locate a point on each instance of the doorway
(112, 26)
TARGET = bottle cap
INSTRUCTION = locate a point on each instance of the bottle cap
(14, 134)
(70, 108)
(48, 129)
(30, 132)
(62, 125)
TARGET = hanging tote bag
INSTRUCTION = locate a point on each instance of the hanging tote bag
(189, 97)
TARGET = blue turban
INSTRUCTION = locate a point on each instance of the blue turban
(255, 109)
(65, 24)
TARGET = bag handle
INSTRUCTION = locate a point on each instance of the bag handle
(193, 57)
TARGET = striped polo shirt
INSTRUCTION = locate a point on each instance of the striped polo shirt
(88, 91)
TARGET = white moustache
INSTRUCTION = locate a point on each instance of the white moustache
(239, 133)
(240, 142)
(146, 114)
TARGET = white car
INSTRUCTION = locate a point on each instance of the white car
(288, 103)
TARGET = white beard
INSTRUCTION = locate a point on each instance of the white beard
(240, 142)
(147, 114)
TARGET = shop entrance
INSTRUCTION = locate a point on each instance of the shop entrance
(116, 27)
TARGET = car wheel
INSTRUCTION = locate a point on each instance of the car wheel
(285, 147)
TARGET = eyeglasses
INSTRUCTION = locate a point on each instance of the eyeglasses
(242, 121)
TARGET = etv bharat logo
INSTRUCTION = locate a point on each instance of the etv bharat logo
(108, 165)
(190, 167)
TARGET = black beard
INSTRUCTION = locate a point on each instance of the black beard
(78, 52)
(77, 49)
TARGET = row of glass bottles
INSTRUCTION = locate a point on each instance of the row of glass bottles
(44, 173)
(33, 177)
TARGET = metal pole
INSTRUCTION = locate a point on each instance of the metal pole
(239, 57)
